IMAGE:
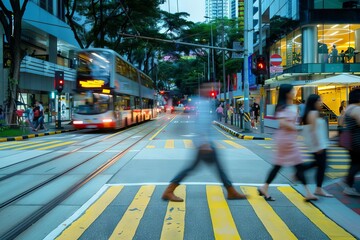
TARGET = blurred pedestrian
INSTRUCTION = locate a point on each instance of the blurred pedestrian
(341, 118)
(352, 122)
(230, 113)
(41, 119)
(315, 138)
(301, 110)
(220, 112)
(288, 153)
(205, 152)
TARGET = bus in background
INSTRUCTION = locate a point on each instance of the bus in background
(110, 92)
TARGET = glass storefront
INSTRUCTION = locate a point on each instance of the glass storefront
(345, 38)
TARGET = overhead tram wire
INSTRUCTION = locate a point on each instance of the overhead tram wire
(181, 43)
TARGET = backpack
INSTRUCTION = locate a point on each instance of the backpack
(36, 113)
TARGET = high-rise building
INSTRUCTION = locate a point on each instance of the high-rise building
(217, 8)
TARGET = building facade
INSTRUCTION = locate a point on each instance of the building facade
(49, 46)
(217, 8)
(316, 40)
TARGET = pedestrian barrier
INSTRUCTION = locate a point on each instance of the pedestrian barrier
(247, 116)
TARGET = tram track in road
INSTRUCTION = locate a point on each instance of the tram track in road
(29, 220)
(6, 176)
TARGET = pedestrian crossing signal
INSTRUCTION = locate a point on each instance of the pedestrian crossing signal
(261, 67)
(59, 81)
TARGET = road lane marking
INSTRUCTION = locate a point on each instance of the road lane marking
(79, 226)
(15, 144)
(339, 167)
(188, 144)
(326, 225)
(223, 223)
(234, 144)
(56, 145)
(271, 220)
(129, 222)
(174, 220)
(37, 145)
(169, 144)
(153, 136)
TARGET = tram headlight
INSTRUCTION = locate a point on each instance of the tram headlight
(78, 122)
(107, 120)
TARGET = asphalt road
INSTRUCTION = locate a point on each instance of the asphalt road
(124, 201)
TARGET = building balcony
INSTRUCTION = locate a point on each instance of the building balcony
(44, 68)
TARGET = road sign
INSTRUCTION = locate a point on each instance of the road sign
(275, 59)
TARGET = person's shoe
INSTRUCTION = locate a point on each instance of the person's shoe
(351, 192)
(233, 194)
(169, 194)
(323, 193)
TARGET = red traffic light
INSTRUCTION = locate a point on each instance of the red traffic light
(261, 67)
(59, 81)
(213, 94)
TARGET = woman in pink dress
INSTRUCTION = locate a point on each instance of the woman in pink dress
(288, 153)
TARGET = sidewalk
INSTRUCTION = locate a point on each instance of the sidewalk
(65, 127)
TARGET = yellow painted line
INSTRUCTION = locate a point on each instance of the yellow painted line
(333, 175)
(188, 143)
(150, 146)
(174, 220)
(224, 133)
(234, 144)
(128, 224)
(248, 137)
(37, 145)
(339, 167)
(14, 145)
(338, 160)
(223, 223)
(338, 155)
(153, 136)
(218, 145)
(78, 227)
(169, 144)
(56, 145)
(271, 220)
(326, 225)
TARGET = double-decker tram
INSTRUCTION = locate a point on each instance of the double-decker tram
(110, 92)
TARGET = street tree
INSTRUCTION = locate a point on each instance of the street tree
(10, 19)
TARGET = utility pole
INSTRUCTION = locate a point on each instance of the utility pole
(246, 66)
(223, 52)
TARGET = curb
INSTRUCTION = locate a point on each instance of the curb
(20, 138)
(239, 134)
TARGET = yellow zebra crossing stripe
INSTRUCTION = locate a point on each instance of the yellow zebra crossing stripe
(272, 222)
(327, 226)
(15, 144)
(223, 223)
(234, 144)
(169, 144)
(174, 221)
(37, 145)
(78, 227)
(56, 145)
(126, 228)
(188, 144)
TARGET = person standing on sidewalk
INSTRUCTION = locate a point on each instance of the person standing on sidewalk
(352, 122)
(288, 153)
(315, 137)
(220, 112)
(205, 152)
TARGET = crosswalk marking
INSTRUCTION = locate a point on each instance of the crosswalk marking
(78, 227)
(56, 145)
(14, 144)
(327, 226)
(234, 144)
(221, 214)
(272, 222)
(339, 167)
(128, 224)
(188, 143)
(174, 221)
(223, 223)
(169, 144)
(35, 145)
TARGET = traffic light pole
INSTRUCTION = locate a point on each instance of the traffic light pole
(58, 121)
(246, 68)
(262, 80)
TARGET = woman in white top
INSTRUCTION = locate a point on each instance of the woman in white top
(315, 137)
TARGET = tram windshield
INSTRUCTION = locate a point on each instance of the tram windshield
(90, 103)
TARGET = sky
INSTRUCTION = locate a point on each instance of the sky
(196, 8)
